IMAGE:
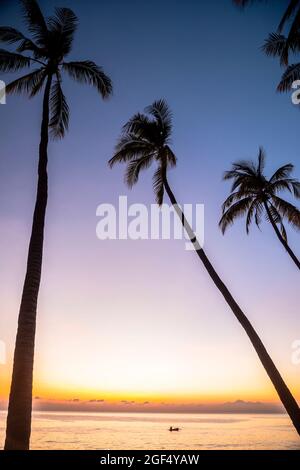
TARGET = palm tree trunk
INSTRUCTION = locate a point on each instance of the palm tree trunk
(283, 391)
(20, 399)
(280, 237)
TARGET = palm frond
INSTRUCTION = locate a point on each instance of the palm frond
(129, 147)
(158, 185)
(289, 12)
(134, 168)
(59, 111)
(90, 73)
(12, 62)
(234, 197)
(30, 84)
(277, 45)
(35, 21)
(290, 184)
(236, 210)
(250, 215)
(277, 219)
(282, 172)
(291, 74)
(62, 27)
(143, 128)
(170, 157)
(287, 211)
(162, 114)
(261, 161)
(10, 35)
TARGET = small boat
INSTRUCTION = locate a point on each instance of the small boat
(171, 429)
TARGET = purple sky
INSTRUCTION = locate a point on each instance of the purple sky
(143, 318)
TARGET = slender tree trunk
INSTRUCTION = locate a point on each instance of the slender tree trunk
(20, 398)
(280, 237)
(283, 391)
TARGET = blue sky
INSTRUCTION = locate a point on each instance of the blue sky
(128, 298)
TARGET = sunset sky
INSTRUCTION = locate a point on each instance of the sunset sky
(141, 320)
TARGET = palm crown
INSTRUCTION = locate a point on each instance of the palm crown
(253, 195)
(144, 140)
(281, 46)
(51, 42)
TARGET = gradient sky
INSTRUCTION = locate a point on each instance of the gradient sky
(124, 320)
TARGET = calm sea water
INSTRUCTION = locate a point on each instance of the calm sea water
(57, 430)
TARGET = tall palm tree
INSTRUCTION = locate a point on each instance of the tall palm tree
(253, 195)
(146, 140)
(50, 44)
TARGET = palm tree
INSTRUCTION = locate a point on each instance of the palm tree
(145, 140)
(51, 42)
(279, 45)
(253, 195)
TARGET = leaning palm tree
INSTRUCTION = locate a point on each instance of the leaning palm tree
(146, 140)
(253, 195)
(51, 42)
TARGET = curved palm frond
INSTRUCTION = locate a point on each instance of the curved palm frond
(62, 27)
(30, 84)
(289, 12)
(12, 62)
(277, 219)
(134, 167)
(143, 128)
(277, 45)
(291, 74)
(234, 197)
(59, 111)
(287, 211)
(290, 184)
(129, 147)
(10, 35)
(282, 172)
(236, 210)
(90, 73)
(158, 185)
(35, 21)
(163, 116)
(261, 161)
(170, 156)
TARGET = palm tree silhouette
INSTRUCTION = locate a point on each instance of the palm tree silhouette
(279, 45)
(51, 42)
(145, 140)
(253, 195)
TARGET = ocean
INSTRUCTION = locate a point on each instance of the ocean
(146, 431)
